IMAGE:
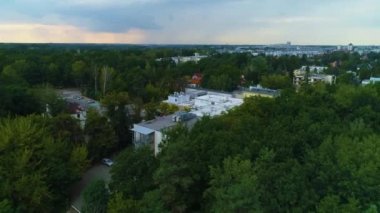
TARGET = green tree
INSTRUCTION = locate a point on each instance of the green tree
(80, 72)
(233, 187)
(67, 128)
(117, 204)
(349, 167)
(177, 182)
(119, 109)
(152, 203)
(100, 135)
(276, 81)
(133, 173)
(6, 207)
(49, 101)
(36, 170)
(333, 204)
(167, 109)
(95, 197)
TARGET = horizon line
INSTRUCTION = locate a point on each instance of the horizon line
(179, 44)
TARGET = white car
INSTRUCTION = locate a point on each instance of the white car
(107, 162)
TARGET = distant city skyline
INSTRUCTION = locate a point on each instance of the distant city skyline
(311, 22)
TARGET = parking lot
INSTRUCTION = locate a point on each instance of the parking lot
(75, 96)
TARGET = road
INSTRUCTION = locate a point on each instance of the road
(96, 172)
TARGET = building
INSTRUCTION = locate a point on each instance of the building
(312, 74)
(312, 69)
(350, 47)
(196, 79)
(213, 105)
(313, 78)
(372, 80)
(205, 102)
(199, 102)
(179, 99)
(151, 132)
(256, 91)
(183, 59)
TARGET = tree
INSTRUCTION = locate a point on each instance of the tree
(78, 161)
(16, 98)
(119, 112)
(276, 82)
(6, 207)
(332, 203)
(167, 109)
(349, 167)
(117, 204)
(101, 136)
(133, 173)
(152, 202)
(106, 76)
(80, 72)
(35, 169)
(95, 197)
(49, 101)
(233, 187)
(177, 182)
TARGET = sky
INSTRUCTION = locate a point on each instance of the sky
(332, 22)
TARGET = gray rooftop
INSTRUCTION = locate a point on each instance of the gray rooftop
(164, 122)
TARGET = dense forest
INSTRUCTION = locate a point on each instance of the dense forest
(311, 150)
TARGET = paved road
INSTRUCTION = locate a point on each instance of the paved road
(95, 173)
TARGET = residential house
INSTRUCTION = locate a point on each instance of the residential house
(311, 75)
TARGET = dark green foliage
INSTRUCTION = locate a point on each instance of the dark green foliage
(100, 135)
(132, 175)
(35, 169)
(234, 187)
(95, 198)
(276, 82)
(119, 113)
(117, 204)
(313, 150)
(67, 128)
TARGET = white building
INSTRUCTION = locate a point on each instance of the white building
(183, 59)
(201, 103)
(372, 80)
(152, 132)
(204, 102)
(179, 98)
(313, 69)
(314, 75)
(213, 105)
(314, 78)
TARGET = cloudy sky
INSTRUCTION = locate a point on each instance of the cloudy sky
(191, 21)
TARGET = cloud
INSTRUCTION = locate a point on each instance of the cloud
(202, 21)
(41, 33)
(96, 15)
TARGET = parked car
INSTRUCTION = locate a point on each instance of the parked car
(107, 161)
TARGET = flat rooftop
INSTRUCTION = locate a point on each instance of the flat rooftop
(164, 122)
(213, 105)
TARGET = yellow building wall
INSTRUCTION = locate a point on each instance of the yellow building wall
(247, 94)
